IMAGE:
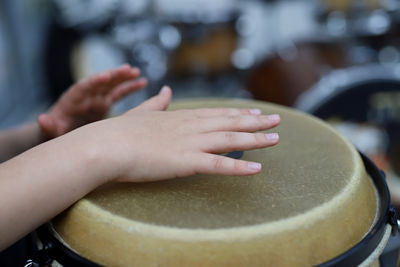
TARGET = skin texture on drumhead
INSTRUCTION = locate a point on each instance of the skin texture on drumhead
(312, 201)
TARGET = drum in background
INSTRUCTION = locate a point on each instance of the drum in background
(207, 52)
(308, 206)
(282, 77)
(364, 104)
(200, 35)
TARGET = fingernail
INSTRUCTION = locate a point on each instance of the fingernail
(254, 166)
(255, 111)
(164, 90)
(274, 117)
(272, 136)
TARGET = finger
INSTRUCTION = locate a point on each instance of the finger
(220, 165)
(99, 106)
(158, 102)
(107, 80)
(86, 86)
(242, 123)
(112, 76)
(212, 112)
(120, 75)
(124, 71)
(127, 88)
(47, 125)
(223, 142)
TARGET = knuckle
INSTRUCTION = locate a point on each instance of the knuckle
(237, 166)
(217, 163)
(229, 137)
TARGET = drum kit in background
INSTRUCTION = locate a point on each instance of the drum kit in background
(327, 205)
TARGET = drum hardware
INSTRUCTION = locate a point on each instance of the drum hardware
(388, 222)
(235, 154)
(41, 257)
(53, 249)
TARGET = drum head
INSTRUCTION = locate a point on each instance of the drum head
(312, 201)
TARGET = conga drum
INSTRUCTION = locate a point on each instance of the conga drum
(316, 201)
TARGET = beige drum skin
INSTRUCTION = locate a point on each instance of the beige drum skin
(312, 201)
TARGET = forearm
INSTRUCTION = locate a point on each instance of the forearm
(18, 140)
(40, 183)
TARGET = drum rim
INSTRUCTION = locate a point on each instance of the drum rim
(56, 250)
(359, 252)
(352, 257)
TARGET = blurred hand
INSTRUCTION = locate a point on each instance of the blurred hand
(89, 100)
(147, 143)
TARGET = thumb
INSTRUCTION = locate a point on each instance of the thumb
(159, 102)
(47, 125)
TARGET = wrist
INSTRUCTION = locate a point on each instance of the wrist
(91, 155)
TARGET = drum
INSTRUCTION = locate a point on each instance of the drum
(316, 201)
(199, 35)
(283, 76)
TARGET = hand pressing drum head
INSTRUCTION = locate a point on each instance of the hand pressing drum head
(148, 143)
(145, 144)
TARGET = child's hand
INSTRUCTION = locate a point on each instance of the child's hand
(89, 100)
(148, 144)
(144, 144)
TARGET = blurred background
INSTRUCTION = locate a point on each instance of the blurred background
(336, 59)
